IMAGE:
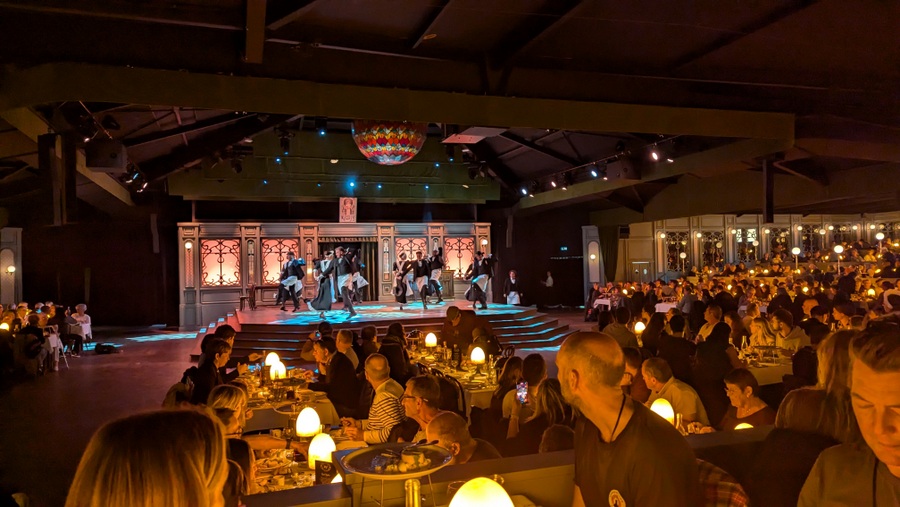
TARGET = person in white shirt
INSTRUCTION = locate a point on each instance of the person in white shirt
(790, 337)
(84, 320)
(713, 316)
(344, 344)
(684, 400)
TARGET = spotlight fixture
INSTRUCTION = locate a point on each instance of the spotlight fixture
(321, 126)
(604, 172)
(379, 186)
(334, 161)
(352, 184)
(265, 182)
(670, 159)
(593, 169)
(277, 160)
(465, 186)
(437, 164)
(319, 184)
(654, 154)
(524, 191)
(427, 186)
(553, 183)
(535, 188)
(568, 179)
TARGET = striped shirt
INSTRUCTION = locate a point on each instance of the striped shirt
(386, 412)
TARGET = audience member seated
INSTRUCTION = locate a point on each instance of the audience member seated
(740, 336)
(240, 452)
(459, 326)
(506, 382)
(790, 337)
(558, 437)
(715, 358)
(367, 345)
(746, 407)
(207, 375)
(619, 329)
(386, 411)
(489, 344)
(549, 409)
(337, 377)
(323, 330)
(624, 454)
(633, 381)
(420, 403)
(650, 336)
(393, 347)
(684, 400)
(344, 344)
(866, 473)
(175, 458)
(713, 316)
(534, 371)
(677, 350)
(32, 339)
(452, 433)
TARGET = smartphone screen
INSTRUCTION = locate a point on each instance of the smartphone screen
(522, 392)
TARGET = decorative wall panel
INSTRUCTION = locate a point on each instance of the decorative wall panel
(410, 246)
(220, 262)
(459, 253)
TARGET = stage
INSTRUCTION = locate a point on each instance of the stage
(268, 328)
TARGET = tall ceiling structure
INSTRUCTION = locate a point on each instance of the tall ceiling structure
(534, 101)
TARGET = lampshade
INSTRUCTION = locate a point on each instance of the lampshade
(795, 251)
(838, 249)
(389, 142)
(272, 358)
(277, 371)
(430, 340)
(743, 426)
(320, 449)
(481, 491)
(663, 409)
(879, 236)
(805, 289)
(728, 286)
(870, 293)
(308, 423)
(639, 327)
(683, 255)
(4, 326)
(337, 479)
(477, 356)
(624, 292)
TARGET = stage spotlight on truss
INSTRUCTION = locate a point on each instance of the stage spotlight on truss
(593, 170)
(568, 179)
(524, 191)
(451, 152)
(321, 126)
(654, 154)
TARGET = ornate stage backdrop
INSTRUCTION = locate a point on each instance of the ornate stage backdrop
(221, 262)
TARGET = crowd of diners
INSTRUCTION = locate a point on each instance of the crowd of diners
(33, 338)
(835, 436)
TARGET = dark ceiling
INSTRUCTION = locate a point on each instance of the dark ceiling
(833, 64)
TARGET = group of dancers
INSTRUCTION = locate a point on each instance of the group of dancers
(420, 277)
(340, 265)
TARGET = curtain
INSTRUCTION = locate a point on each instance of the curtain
(609, 250)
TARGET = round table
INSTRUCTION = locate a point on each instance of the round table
(266, 418)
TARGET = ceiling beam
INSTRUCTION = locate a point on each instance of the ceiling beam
(625, 201)
(204, 146)
(841, 148)
(298, 9)
(430, 21)
(504, 175)
(540, 149)
(255, 31)
(32, 125)
(818, 179)
(724, 159)
(216, 121)
(59, 82)
(744, 31)
(523, 38)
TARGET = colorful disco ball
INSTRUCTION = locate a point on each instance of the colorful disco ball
(389, 142)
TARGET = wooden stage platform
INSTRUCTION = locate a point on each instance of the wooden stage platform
(268, 328)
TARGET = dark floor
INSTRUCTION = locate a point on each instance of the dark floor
(46, 423)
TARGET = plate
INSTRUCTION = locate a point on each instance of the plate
(273, 463)
(364, 461)
(255, 403)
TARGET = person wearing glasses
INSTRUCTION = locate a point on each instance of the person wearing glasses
(421, 403)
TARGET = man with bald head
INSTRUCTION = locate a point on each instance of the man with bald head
(452, 433)
(624, 453)
(386, 410)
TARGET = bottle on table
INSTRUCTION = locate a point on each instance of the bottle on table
(456, 356)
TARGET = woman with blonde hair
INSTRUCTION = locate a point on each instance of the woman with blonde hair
(761, 333)
(549, 408)
(230, 397)
(169, 458)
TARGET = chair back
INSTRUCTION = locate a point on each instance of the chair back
(718, 488)
(423, 369)
(509, 351)
(452, 396)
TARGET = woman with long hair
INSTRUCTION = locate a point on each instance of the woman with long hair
(549, 408)
(169, 458)
(230, 397)
(650, 337)
(739, 334)
(506, 382)
(761, 333)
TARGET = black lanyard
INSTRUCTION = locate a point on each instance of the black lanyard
(875, 483)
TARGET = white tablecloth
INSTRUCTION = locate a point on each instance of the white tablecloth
(664, 307)
(265, 417)
(767, 375)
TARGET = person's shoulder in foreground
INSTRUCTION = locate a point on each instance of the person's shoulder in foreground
(844, 475)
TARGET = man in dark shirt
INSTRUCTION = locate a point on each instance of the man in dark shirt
(677, 351)
(207, 374)
(339, 379)
(847, 283)
(625, 454)
(452, 433)
(459, 325)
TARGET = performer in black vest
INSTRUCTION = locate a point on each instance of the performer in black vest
(401, 267)
(480, 272)
(291, 276)
(422, 274)
(342, 266)
(436, 262)
(512, 290)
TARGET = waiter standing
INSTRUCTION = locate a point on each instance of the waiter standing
(343, 269)
(511, 290)
(291, 276)
(436, 262)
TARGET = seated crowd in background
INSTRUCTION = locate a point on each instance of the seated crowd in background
(33, 340)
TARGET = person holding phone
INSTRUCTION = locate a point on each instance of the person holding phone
(534, 370)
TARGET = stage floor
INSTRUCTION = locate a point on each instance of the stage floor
(369, 313)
